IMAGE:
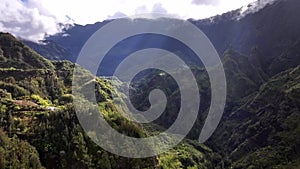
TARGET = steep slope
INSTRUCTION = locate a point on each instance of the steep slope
(51, 50)
(243, 77)
(36, 106)
(264, 131)
(272, 29)
(17, 153)
(251, 132)
(24, 72)
(14, 54)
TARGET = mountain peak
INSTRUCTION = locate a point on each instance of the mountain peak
(14, 54)
(254, 7)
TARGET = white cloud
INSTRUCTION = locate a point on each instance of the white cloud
(158, 8)
(141, 10)
(117, 15)
(206, 2)
(33, 18)
(27, 20)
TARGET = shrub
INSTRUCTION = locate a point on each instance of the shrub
(39, 100)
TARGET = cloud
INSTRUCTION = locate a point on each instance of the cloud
(141, 10)
(29, 20)
(158, 8)
(117, 15)
(205, 2)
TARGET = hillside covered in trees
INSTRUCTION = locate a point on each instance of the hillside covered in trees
(39, 127)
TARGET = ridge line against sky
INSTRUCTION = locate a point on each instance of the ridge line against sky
(34, 19)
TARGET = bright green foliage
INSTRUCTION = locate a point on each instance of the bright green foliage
(40, 101)
(37, 99)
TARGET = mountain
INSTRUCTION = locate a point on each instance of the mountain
(15, 54)
(66, 45)
(271, 32)
(50, 50)
(39, 127)
(260, 123)
(264, 131)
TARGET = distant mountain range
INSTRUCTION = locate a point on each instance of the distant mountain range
(270, 32)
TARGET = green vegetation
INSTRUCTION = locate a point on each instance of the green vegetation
(260, 126)
(37, 99)
(40, 125)
(15, 153)
(264, 131)
(15, 54)
(187, 155)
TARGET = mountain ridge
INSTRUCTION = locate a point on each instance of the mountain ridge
(253, 31)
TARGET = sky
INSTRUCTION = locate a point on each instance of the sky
(34, 19)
